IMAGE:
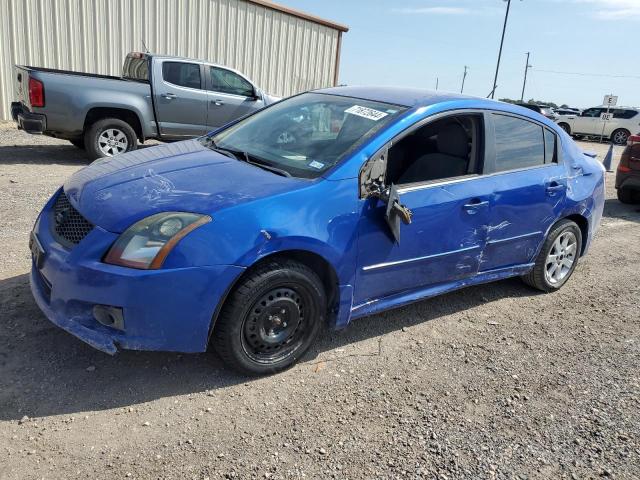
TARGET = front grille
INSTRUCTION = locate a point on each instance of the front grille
(68, 224)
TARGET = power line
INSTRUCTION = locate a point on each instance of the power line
(583, 74)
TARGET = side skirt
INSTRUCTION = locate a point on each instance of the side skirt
(400, 299)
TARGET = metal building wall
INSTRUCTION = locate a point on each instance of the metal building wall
(281, 52)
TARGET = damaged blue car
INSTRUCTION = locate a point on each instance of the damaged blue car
(325, 207)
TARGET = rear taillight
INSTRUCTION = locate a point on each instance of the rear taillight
(36, 93)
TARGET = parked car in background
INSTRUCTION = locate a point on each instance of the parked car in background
(566, 111)
(322, 208)
(625, 122)
(628, 172)
(158, 96)
(545, 110)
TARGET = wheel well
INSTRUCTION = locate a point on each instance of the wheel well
(583, 223)
(560, 124)
(315, 262)
(128, 116)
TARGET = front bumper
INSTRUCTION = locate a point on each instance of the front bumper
(35, 123)
(166, 309)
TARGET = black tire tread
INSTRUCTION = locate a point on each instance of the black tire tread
(236, 301)
(535, 278)
(626, 196)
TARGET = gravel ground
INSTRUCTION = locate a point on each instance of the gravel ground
(496, 381)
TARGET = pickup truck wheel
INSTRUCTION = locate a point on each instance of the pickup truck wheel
(271, 318)
(78, 142)
(558, 257)
(109, 137)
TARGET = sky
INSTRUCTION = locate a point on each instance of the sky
(594, 43)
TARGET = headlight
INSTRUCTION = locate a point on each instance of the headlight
(147, 243)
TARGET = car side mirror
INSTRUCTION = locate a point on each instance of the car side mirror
(396, 212)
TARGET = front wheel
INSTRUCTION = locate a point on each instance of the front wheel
(565, 127)
(558, 257)
(109, 137)
(271, 318)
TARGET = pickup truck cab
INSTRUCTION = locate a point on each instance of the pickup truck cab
(167, 98)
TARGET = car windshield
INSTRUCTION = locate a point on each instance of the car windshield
(304, 135)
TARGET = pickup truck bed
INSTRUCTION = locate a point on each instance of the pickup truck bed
(160, 97)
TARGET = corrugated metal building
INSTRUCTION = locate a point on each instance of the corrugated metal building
(283, 50)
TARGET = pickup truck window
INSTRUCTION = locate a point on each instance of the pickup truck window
(225, 81)
(307, 134)
(136, 67)
(182, 74)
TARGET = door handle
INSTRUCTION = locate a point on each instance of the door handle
(217, 102)
(474, 205)
(554, 187)
(168, 96)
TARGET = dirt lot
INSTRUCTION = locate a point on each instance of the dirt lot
(496, 381)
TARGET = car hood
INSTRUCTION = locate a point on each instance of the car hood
(186, 176)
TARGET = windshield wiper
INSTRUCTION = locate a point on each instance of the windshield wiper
(243, 156)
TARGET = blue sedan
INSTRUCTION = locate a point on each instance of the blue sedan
(325, 207)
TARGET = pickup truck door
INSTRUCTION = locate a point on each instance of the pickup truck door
(180, 98)
(231, 96)
(589, 122)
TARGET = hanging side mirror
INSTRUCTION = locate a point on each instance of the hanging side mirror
(396, 212)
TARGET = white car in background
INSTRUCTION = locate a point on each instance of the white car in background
(625, 121)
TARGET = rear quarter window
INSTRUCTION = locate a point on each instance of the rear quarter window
(518, 143)
(624, 114)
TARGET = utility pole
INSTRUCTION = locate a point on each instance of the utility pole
(504, 29)
(526, 69)
(464, 75)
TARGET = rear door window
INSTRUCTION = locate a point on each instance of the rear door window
(182, 74)
(225, 81)
(518, 143)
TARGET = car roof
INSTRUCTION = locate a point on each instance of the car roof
(403, 96)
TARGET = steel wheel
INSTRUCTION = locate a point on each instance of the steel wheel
(561, 258)
(275, 326)
(112, 141)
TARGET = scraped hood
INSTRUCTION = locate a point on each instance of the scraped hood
(185, 176)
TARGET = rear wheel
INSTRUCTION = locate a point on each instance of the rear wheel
(627, 196)
(565, 127)
(558, 257)
(109, 137)
(620, 136)
(271, 318)
(78, 142)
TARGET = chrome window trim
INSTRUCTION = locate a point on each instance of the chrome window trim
(417, 259)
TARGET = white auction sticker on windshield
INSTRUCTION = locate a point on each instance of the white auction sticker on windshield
(316, 164)
(365, 112)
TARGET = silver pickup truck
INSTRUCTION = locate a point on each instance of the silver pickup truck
(161, 97)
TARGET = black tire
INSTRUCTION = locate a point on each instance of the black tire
(620, 136)
(92, 137)
(271, 318)
(565, 127)
(627, 196)
(536, 278)
(78, 143)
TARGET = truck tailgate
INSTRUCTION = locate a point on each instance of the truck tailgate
(21, 82)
